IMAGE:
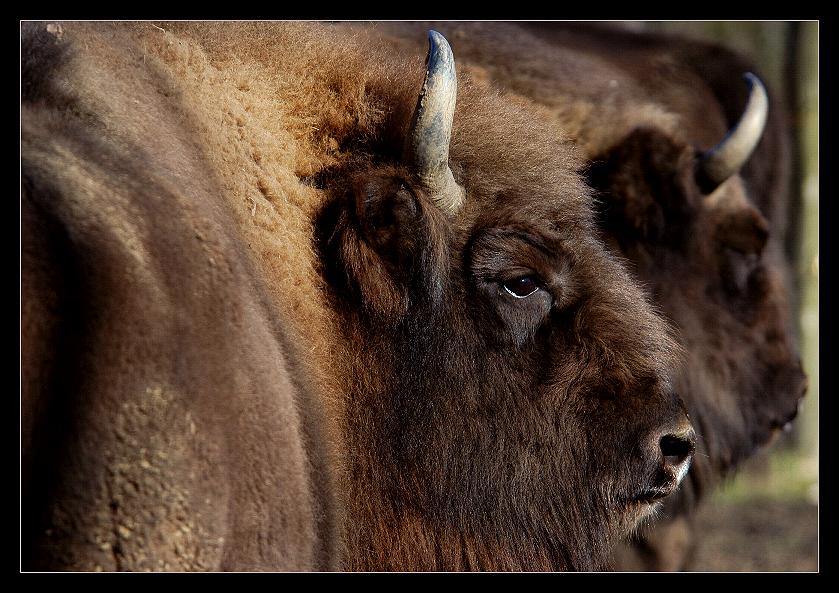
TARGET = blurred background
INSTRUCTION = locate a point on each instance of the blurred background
(766, 517)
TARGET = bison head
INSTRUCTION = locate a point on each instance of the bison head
(685, 220)
(510, 405)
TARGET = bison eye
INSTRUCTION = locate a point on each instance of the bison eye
(521, 287)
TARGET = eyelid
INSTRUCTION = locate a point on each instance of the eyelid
(514, 272)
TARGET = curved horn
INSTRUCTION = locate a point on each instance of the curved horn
(431, 129)
(727, 157)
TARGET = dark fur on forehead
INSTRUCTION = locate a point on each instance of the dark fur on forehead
(522, 158)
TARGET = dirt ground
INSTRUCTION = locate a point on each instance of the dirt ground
(759, 535)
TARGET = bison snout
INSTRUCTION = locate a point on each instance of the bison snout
(794, 382)
(671, 452)
(802, 385)
(801, 390)
(677, 451)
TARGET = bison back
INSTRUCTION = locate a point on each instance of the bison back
(165, 422)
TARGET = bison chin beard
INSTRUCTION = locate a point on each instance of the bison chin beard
(633, 512)
(634, 516)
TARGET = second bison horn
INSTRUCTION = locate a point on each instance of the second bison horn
(726, 158)
(427, 149)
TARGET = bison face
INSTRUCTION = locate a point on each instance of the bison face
(509, 405)
(711, 265)
(749, 286)
(515, 383)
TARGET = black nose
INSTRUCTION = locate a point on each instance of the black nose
(802, 391)
(803, 385)
(671, 451)
(677, 449)
(674, 445)
(799, 384)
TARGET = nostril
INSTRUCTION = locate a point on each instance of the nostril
(675, 449)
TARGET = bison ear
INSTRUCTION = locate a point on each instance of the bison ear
(389, 217)
(392, 247)
(645, 186)
(744, 230)
(382, 244)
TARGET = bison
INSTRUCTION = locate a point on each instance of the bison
(292, 300)
(691, 175)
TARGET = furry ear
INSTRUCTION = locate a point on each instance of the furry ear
(384, 244)
(408, 233)
(390, 220)
(646, 187)
(744, 230)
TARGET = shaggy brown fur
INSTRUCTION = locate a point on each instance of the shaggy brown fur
(214, 213)
(155, 372)
(642, 106)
